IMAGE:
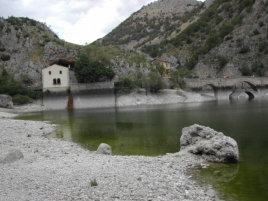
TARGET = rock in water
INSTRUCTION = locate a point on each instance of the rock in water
(12, 156)
(213, 146)
(104, 149)
(6, 101)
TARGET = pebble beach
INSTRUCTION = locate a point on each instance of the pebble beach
(54, 169)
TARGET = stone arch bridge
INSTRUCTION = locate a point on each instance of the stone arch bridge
(231, 88)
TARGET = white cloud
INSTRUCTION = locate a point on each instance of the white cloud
(76, 21)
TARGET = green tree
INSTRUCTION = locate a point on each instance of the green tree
(91, 71)
(125, 83)
(161, 69)
(81, 66)
(153, 82)
(176, 78)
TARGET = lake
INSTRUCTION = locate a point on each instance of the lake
(156, 130)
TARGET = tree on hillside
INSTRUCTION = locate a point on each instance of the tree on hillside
(91, 71)
(153, 82)
(161, 69)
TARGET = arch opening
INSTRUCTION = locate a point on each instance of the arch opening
(250, 95)
(245, 90)
(209, 90)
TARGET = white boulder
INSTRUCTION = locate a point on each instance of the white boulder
(211, 145)
(104, 149)
(6, 101)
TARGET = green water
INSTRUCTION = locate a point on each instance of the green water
(156, 130)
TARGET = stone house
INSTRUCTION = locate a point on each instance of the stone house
(55, 78)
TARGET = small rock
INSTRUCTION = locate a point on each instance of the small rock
(211, 145)
(104, 149)
(12, 156)
(6, 101)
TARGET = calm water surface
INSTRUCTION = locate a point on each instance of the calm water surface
(156, 130)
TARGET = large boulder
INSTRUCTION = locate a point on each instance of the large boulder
(211, 145)
(6, 101)
(12, 156)
(104, 149)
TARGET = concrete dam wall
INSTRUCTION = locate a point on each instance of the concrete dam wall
(80, 96)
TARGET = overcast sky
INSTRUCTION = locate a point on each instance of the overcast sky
(76, 21)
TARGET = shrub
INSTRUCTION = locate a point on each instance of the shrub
(222, 61)
(93, 183)
(245, 4)
(176, 78)
(152, 50)
(259, 69)
(21, 99)
(261, 24)
(239, 42)
(5, 57)
(124, 83)
(225, 29)
(12, 88)
(192, 62)
(16, 89)
(256, 32)
(245, 71)
(161, 69)
(137, 59)
(155, 82)
(212, 40)
(244, 50)
(34, 94)
(152, 82)
(263, 47)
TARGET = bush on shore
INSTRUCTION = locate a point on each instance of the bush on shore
(16, 90)
(21, 99)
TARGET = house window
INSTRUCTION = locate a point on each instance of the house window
(54, 81)
(49, 72)
(58, 81)
(60, 72)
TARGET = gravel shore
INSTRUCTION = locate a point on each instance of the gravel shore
(54, 169)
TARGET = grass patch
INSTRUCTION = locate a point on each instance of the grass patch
(93, 183)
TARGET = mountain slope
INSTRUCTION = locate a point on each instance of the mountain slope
(27, 46)
(230, 37)
(152, 23)
(212, 39)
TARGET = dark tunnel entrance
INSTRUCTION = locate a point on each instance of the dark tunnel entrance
(250, 95)
(64, 62)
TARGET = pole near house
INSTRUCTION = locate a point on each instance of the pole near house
(70, 105)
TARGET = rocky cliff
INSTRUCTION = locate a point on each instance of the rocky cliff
(27, 46)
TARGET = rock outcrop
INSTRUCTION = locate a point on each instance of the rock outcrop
(6, 101)
(104, 149)
(211, 145)
(27, 46)
(12, 156)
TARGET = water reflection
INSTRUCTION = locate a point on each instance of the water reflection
(217, 173)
